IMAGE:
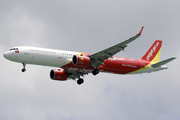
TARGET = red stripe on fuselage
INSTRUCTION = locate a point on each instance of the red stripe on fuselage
(115, 65)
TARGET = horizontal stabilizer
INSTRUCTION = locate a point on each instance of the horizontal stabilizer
(163, 62)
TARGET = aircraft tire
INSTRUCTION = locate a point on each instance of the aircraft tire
(23, 70)
(95, 71)
(80, 81)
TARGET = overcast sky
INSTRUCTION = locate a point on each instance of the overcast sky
(89, 26)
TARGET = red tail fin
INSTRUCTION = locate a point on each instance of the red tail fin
(153, 54)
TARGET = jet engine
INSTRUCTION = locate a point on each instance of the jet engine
(58, 74)
(81, 61)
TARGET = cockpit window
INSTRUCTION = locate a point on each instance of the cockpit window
(14, 49)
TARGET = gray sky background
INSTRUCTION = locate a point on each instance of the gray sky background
(89, 26)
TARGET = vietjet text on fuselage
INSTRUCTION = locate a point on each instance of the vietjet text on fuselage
(74, 65)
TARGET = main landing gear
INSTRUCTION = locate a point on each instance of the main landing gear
(80, 81)
(95, 71)
(24, 69)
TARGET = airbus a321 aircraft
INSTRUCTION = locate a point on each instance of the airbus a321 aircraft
(74, 65)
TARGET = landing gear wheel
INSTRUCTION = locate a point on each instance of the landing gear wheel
(80, 81)
(95, 71)
(23, 70)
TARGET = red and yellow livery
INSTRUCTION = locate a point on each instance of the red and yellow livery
(74, 65)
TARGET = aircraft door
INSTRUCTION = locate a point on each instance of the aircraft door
(60, 57)
(26, 51)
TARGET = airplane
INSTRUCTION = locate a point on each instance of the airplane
(74, 65)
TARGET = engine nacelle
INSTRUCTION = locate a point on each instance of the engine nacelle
(81, 61)
(58, 74)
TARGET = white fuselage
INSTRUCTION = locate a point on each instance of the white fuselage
(40, 56)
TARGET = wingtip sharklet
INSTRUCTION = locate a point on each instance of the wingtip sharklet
(140, 32)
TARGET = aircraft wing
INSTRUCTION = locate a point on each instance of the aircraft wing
(98, 58)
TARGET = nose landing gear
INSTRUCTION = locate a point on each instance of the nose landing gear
(24, 69)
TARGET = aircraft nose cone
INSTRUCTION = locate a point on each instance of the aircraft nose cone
(5, 55)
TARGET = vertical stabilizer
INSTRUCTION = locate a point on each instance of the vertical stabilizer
(153, 54)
